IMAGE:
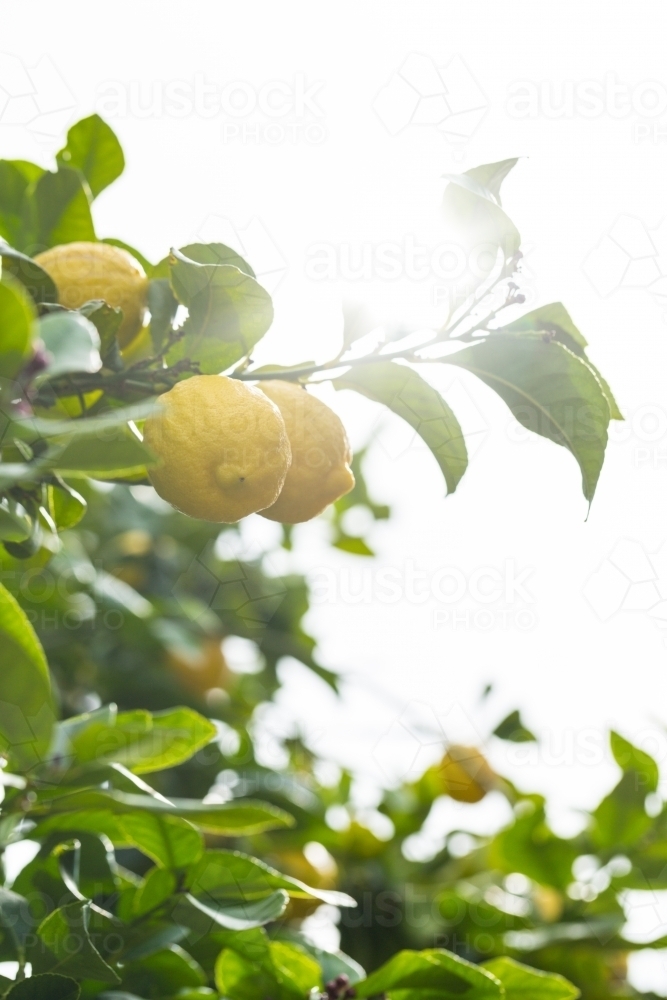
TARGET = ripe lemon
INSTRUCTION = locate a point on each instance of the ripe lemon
(465, 774)
(320, 471)
(85, 271)
(222, 445)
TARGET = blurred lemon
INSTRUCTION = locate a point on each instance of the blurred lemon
(85, 271)
(320, 471)
(465, 774)
(200, 671)
(222, 447)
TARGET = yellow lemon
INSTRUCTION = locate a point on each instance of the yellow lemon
(85, 271)
(465, 774)
(222, 447)
(320, 471)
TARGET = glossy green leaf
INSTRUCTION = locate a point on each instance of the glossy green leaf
(48, 986)
(229, 312)
(72, 343)
(204, 915)
(26, 710)
(65, 934)
(164, 974)
(62, 209)
(549, 390)
(162, 305)
(13, 186)
(332, 964)
(410, 975)
(522, 983)
(14, 526)
(171, 842)
(66, 506)
(156, 889)
(145, 742)
(93, 149)
(38, 284)
(228, 819)
(222, 874)
(555, 320)
(406, 393)
(17, 324)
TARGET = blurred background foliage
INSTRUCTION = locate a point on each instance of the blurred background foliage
(142, 606)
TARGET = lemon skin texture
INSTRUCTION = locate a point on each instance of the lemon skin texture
(222, 448)
(320, 471)
(85, 271)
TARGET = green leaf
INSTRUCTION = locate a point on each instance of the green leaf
(404, 392)
(107, 320)
(115, 449)
(15, 917)
(228, 819)
(62, 209)
(162, 305)
(620, 820)
(473, 215)
(285, 972)
(524, 983)
(229, 312)
(48, 986)
(513, 729)
(65, 933)
(26, 710)
(156, 889)
(356, 546)
(555, 320)
(14, 527)
(171, 842)
(433, 973)
(630, 758)
(17, 320)
(216, 253)
(66, 506)
(72, 342)
(202, 916)
(13, 187)
(145, 742)
(39, 285)
(332, 964)
(530, 847)
(93, 149)
(222, 874)
(549, 390)
(164, 974)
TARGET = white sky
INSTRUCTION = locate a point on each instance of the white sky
(344, 167)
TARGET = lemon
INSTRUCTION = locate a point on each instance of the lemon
(465, 774)
(85, 271)
(320, 471)
(222, 447)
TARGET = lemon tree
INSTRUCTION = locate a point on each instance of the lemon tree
(77, 380)
(82, 370)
